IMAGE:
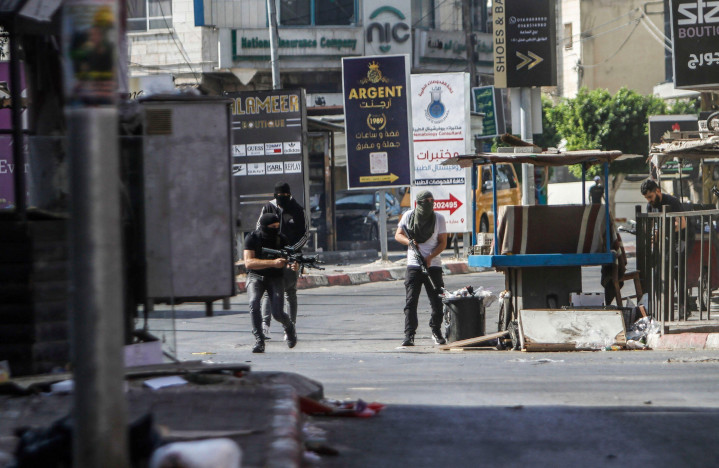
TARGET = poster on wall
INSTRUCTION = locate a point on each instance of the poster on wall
(440, 130)
(267, 147)
(7, 164)
(377, 129)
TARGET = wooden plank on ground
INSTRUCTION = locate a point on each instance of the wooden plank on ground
(570, 329)
(471, 341)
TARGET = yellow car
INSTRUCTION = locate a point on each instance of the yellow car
(509, 192)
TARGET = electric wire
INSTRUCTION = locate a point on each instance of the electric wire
(651, 33)
(179, 46)
(621, 46)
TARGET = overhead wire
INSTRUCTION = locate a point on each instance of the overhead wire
(644, 22)
(621, 46)
(180, 47)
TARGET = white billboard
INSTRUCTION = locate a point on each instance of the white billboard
(440, 124)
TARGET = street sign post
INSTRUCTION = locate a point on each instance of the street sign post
(695, 39)
(377, 129)
(524, 43)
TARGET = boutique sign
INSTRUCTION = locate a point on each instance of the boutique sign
(695, 38)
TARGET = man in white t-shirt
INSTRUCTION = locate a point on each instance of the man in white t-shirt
(428, 231)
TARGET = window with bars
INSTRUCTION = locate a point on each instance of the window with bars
(318, 12)
(144, 15)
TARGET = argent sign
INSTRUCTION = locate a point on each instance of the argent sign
(695, 38)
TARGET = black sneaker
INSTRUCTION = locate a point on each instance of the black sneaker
(437, 337)
(291, 337)
(408, 340)
(259, 346)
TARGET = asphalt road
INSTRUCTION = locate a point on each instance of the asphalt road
(474, 408)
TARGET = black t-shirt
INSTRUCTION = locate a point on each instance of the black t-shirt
(673, 205)
(292, 219)
(596, 192)
(255, 242)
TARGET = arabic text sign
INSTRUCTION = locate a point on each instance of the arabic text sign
(524, 43)
(267, 129)
(695, 37)
(377, 121)
(440, 116)
(488, 101)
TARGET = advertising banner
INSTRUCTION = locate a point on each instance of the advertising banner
(267, 132)
(695, 39)
(488, 101)
(377, 130)
(524, 43)
(387, 27)
(440, 130)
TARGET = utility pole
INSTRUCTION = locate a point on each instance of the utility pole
(469, 40)
(525, 118)
(274, 44)
(96, 280)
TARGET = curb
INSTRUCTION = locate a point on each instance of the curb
(286, 448)
(351, 279)
(685, 341)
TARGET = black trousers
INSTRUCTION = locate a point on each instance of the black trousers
(275, 288)
(413, 281)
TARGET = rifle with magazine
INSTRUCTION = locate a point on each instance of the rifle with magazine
(294, 256)
(420, 259)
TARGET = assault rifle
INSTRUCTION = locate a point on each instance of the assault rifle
(420, 259)
(293, 256)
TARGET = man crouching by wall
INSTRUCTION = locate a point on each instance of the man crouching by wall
(265, 274)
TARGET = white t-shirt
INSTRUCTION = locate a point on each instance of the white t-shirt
(425, 248)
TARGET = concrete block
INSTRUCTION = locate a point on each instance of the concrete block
(567, 330)
(712, 341)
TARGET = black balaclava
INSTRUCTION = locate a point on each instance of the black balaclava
(421, 224)
(282, 200)
(266, 219)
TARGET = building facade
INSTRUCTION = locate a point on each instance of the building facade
(610, 44)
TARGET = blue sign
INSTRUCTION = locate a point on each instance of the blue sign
(377, 127)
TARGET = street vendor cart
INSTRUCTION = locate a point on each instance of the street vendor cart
(542, 248)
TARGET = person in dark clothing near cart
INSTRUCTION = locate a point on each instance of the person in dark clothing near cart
(596, 191)
(293, 226)
(428, 231)
(656, 200)
(266, 275)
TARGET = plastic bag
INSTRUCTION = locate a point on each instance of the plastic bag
(642, 328)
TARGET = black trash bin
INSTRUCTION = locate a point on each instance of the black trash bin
(464, 317)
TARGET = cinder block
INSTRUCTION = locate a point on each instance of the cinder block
(712, 341)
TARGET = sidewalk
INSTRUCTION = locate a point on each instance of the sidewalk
(346, 268)
(359, 268)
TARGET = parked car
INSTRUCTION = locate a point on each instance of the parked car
(509, 192)
(357, 215)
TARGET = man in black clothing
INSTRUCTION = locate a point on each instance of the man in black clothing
(596, 191)
(656, 200)
(266, 275)
(294, 227)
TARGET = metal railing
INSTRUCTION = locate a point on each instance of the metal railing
(677, 257)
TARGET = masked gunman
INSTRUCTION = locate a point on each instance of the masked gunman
(428, 231)
(266, 275)
(294, 227)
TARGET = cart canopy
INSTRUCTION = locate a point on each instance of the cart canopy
(545, 158)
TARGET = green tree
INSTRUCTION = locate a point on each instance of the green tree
(597, 120)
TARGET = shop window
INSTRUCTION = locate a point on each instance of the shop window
(144, 15)
(568, 40)
(317, 12)
(423, 14)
